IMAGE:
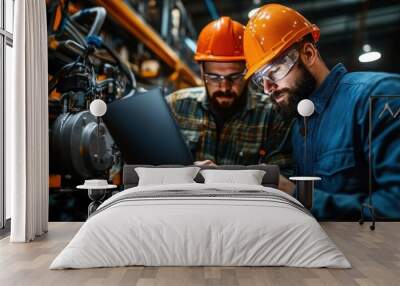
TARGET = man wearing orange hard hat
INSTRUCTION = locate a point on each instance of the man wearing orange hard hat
(282, 58)
(224, 122)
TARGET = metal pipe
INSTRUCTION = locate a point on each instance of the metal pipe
(166, 21)
(212, 9)
(100, 16)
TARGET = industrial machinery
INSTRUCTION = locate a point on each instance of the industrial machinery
(82, 67)
(104, 49)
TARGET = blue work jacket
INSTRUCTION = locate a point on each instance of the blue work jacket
(337, 146)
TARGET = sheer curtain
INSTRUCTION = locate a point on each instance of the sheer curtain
(27, 124)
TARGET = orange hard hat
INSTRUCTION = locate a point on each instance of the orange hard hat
(221, 41)
(271, 31)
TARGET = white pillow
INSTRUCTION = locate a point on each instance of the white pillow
(248, 177)
(163, 176)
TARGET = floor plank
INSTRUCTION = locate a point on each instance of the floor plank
(374, 255)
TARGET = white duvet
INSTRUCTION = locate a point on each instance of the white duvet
(183, 231)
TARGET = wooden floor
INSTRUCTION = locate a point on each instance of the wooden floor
(374, 255)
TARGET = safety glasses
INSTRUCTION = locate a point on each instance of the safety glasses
(276, 70)
(217, 79)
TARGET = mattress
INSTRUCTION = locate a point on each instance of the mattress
(201, 225)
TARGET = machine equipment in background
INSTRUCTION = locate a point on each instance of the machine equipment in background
(83, 68)
(105, 52)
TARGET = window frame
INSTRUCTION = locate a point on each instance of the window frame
(6, 39)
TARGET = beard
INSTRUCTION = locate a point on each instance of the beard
(302, 89)
(225, 101)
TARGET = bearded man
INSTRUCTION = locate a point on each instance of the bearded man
(226, 122)
(351, 149)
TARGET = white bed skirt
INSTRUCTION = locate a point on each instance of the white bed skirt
(200, 232)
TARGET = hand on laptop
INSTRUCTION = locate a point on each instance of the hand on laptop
(205, 163)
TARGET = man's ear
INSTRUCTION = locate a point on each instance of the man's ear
(309, 54)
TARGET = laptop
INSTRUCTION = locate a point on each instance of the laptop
(144, 130)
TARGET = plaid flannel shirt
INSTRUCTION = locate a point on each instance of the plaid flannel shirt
(255, 135)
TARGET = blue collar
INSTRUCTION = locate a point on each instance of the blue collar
(321, 95)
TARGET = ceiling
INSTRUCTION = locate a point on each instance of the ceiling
(345, 26)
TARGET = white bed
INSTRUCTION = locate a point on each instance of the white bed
(225, 225)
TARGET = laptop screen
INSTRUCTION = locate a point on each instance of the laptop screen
(145, 131)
